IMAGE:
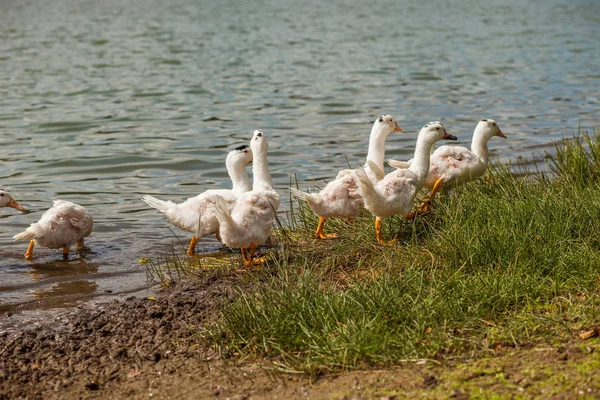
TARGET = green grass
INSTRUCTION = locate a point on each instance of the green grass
(499, 261)
(508, 260)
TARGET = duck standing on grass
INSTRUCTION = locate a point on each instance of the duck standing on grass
(454, 165)
(394, 194)
(6, 200)
(339, 198)
(248, 224)
(195, 214)
(61, 226)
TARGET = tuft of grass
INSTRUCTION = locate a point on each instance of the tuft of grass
(173, 264)
(576, 161)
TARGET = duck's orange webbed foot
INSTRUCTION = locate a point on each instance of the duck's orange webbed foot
(245, 256)
(249, 256)
(328, 235)
(192, 248)
(319, 233)
(259, 260)
(29, 252)
(380, 240)
(427, 205)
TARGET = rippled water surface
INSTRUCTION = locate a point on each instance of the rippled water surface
(101, 102)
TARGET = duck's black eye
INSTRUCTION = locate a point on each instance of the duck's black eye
(380, 119)
(259, 134)
(494, 124)
(437, 129)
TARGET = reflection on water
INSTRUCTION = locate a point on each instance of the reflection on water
(55, 269)
(102, 102)
(56, 282)
(61, 290)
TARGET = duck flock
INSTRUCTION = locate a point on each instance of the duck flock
(243, 216)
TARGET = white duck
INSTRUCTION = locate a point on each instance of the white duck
(195, 214)
(453, 165)
(394, 194)
(248, 224)
(61, 226)
(6, 200)
(339, 198)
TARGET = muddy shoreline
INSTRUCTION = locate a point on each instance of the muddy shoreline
(88, 347)
(144, 347)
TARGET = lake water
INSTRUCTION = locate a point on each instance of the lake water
(102, 102)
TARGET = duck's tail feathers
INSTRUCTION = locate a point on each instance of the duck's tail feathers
(29, 234)
(221, 211)
(300, 195)
(364, 183)
(378, 172)
(160, 205)
(311, 199)
(366, 188)
(399, 164)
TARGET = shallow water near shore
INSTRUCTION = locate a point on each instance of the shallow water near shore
(101, 103)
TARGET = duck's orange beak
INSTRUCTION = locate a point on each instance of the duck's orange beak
(15, 204)
(502, 135)
(398, 129)
(448, 136)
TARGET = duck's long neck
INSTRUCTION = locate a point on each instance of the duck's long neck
(420, 163)
(239, 177)
(479, 147)
(376, 151)
(262, 175)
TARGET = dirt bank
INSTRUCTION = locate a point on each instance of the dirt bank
(88, 348)
(141, 348)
